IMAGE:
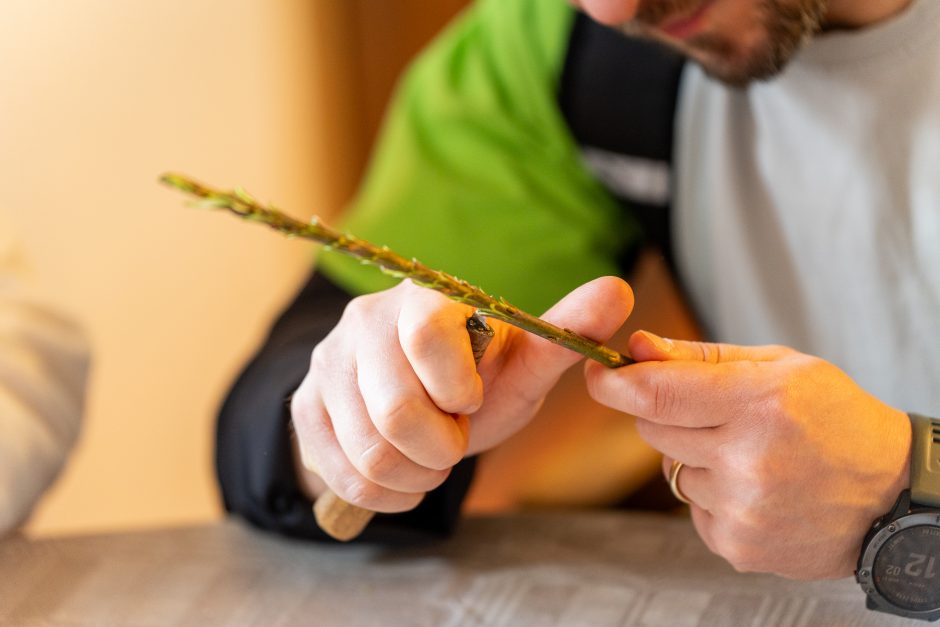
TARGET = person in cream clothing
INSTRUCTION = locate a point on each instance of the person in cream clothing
(43, 369)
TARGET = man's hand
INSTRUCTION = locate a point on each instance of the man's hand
(382, 415)
(788, 461)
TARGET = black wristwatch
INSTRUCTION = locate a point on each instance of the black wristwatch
(899, 568)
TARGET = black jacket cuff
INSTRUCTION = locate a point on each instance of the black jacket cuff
(253, 451)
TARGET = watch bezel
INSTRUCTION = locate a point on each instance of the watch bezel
(873, 546)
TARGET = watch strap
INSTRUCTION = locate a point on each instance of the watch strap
(925, 460)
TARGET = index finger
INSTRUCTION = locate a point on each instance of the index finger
(432, 332)
(678, 393)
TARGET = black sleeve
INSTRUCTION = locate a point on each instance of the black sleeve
(253, 455)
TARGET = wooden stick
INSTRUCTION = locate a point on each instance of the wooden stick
(242, 204)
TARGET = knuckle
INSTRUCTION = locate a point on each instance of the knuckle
(658, 400)
(355, 309)
(362, 493)
(746, 538)
(400, 422)
(411, 329)
(395, 419)
(462, 397)
(406, 286)
(384, 465)
(710, 353)
(379, 461)
(300, 405)
(748, 519)
(737, 459)
(662, 399)
(422, 336)
(779, 403)
(361, 309)
(301, 420)
(653, 397)
(319, 358)
(763, 481)
(755, 470)
(303, 416)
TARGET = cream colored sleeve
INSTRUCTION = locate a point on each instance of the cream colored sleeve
(43, 369)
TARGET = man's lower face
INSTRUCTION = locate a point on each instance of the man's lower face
(736, 41)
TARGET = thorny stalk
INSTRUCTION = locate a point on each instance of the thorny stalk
(242, 204)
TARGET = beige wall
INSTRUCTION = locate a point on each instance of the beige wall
(99, 97)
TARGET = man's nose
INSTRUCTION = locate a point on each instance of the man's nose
(608, 11)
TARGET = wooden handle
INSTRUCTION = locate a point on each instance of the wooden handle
(344, 521)
(341, 520)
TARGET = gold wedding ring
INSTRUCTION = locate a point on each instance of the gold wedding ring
(674, 482)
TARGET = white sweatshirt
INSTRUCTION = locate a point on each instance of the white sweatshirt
(43, 367)
(808, 207)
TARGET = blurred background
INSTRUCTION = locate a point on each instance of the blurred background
(97, 99)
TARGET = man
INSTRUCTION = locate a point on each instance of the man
(528, 152)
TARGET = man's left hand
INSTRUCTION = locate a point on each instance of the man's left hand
(787, 460)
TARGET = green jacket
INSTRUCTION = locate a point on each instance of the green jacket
(476, 172)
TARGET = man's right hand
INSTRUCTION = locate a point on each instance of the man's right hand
(393, 399)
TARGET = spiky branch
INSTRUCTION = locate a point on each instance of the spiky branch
(242, 204)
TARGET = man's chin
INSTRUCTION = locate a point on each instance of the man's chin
(736, 71)
(721, 59)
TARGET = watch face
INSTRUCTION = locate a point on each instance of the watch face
(906, 569)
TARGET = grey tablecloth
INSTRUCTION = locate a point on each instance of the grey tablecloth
(603, 568)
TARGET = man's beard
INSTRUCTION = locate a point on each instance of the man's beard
(787, 24)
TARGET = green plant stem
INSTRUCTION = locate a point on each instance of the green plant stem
(242, 204)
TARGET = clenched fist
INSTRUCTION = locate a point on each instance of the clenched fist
(393, 398)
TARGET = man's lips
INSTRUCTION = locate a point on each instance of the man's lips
(685, 26)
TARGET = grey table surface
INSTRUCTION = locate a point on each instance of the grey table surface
(587, 568)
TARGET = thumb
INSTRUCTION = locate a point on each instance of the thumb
(528, 366)
(595, 310)
(646, 346)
